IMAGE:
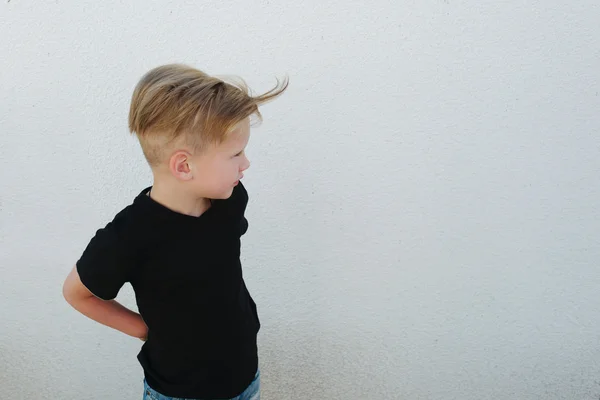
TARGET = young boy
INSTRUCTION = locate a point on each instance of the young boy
(178, 243)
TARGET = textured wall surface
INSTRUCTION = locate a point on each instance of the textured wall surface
(424, 200)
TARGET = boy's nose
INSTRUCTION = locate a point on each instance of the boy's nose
(245, 164)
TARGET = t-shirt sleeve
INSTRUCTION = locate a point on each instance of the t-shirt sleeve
(105, 265)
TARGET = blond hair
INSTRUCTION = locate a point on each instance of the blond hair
(177, 102)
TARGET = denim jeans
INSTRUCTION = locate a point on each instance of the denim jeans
(252, 392)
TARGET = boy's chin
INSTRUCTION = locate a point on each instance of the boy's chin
(224, 195)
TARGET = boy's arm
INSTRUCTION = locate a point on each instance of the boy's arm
(109, 313)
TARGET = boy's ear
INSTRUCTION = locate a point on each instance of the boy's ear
(179, 165)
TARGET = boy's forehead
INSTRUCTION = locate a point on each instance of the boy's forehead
(243, 127)
(239, 136)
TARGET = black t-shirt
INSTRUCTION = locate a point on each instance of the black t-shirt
(187, 278)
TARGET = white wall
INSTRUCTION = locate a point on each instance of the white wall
(424, 199)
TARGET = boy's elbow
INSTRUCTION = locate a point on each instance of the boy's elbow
(72, 289)
(66, 291)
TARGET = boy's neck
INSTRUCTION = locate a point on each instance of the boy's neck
(178, 201)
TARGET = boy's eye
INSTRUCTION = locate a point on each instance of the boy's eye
(239, 154)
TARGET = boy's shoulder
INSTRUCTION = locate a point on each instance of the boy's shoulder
(126, 225)
(131, 215)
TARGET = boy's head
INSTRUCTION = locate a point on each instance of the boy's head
(193, 128)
